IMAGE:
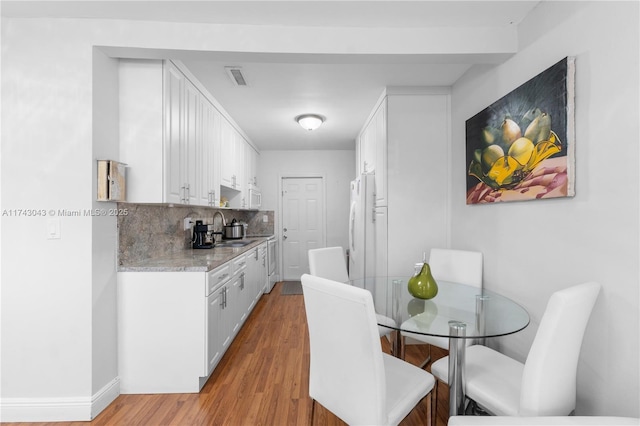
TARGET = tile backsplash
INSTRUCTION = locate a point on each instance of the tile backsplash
(156, 230)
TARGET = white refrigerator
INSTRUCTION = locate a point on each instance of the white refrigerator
(367, 232)
(361, 228)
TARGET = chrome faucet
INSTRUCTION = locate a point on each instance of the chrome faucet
(213, 222)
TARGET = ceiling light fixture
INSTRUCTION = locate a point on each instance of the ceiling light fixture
(310, 121)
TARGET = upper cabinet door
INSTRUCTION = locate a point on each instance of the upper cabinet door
(207, 156)
(173, 93)
(227, 145)
(192, 122)
(368, 148)
(380, 121)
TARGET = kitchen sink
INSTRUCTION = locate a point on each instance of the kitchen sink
(236, 243)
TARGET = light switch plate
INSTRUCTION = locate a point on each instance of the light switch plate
(53, 228)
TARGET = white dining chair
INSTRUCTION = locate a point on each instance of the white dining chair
(545, 385)
(330, 263)
(458, 266)
(358, 383)
(542, 421)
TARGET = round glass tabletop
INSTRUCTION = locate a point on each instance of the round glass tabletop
(485, 313)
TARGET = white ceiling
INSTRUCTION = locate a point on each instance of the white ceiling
(343, 88)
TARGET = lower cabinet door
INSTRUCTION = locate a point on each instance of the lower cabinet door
(215, 307)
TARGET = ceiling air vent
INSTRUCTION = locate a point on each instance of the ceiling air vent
(235, 74)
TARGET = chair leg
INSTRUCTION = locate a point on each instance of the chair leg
(430, 409)
(313, 407)
(434, 404)
(426, 361)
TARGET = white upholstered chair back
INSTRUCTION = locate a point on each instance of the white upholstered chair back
(458, 266)
(549, 375)
(346, 372)
(330, 263)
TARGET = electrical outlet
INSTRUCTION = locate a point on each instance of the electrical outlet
(187, 223)
(265, 218)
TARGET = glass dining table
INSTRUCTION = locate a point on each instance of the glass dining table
(458, 312)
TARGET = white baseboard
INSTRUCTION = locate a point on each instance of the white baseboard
(104, 397)
(58, 409)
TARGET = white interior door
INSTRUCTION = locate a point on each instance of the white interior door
(303, 223)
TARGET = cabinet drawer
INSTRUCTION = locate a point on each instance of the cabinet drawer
(218, 277)
(239, 264)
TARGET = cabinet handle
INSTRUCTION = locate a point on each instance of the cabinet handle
(223, 276)
(185, 198)
(224, 298)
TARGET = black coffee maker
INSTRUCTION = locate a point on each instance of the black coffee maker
(200, 234)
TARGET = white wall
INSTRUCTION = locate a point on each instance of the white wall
(104, 239)
(47, 164)
(338, 168)
(534, 248)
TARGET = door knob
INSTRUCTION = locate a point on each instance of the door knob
(284, 229)
(284, 237)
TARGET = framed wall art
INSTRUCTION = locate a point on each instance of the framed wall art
(521, 147)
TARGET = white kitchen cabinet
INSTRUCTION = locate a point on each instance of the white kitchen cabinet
(381, 292)
(158, 126)
(189, 166)
(233, 178)
(219, 317)
(240, 200)
(232, 156)
(412, 149)
(173, 136)
(239, 292)
(174, 327)
(228, 149)
(381, 154)
(251, 166)
(161, 331)
(373, 150)
(177, 142)
(368, 149)
(262, 280)
(255, 278)
(209, 155)
(215, 338)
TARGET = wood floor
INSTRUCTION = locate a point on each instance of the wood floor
(261, 380)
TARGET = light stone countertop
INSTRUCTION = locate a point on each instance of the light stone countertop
(199, 260)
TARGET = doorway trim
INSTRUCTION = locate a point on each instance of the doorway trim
(280, 214)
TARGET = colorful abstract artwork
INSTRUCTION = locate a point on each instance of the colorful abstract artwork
(521, 147)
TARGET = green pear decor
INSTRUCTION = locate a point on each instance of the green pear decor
(423, 285)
